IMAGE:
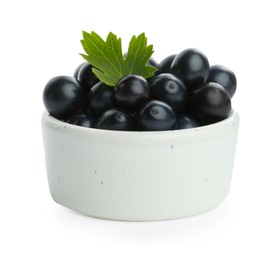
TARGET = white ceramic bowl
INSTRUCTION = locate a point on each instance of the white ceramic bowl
(139, 176)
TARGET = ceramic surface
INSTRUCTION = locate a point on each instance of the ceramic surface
(139, 176)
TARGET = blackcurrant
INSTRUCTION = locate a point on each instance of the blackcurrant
(191, 66)
(100, 98)
(223, 76)
(82, 120)
(86, 76)
(131, 92)
(76, 72)
(62, 96)
(211, 103)
(165, 64)
(156, 116)
(168, 88)
(115, 119)
(152, 62)
(185, 122)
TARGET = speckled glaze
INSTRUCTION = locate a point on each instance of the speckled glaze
(139, 176)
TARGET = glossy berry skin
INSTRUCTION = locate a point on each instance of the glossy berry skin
(165, 64)
(152, 62)
(82, 120)
(131, 92)
(100, 98)
(156, 116)
(62, 96)
(211, 103)
(115, 119)
(86, 76)
(171, 90)
(76, 72)
(223, 76)
(191, 66)
(185, 122)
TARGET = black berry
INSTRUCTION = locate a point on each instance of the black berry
(211, 103)
(131, 92)
(168, 88)
(63, 96)
(191, 66)
(156, 116)
(100, 98)
(223, 76)
(115, 119)
(86, 76)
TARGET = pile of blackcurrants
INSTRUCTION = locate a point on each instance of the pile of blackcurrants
(185, 92)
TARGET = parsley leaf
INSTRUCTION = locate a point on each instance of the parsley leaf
(109, 63)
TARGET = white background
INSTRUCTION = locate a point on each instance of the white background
(41, 39)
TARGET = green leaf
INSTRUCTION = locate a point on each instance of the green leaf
(108, 60)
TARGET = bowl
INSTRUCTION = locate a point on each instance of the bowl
(139, 176)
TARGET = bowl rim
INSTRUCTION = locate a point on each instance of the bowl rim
(214, 128)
